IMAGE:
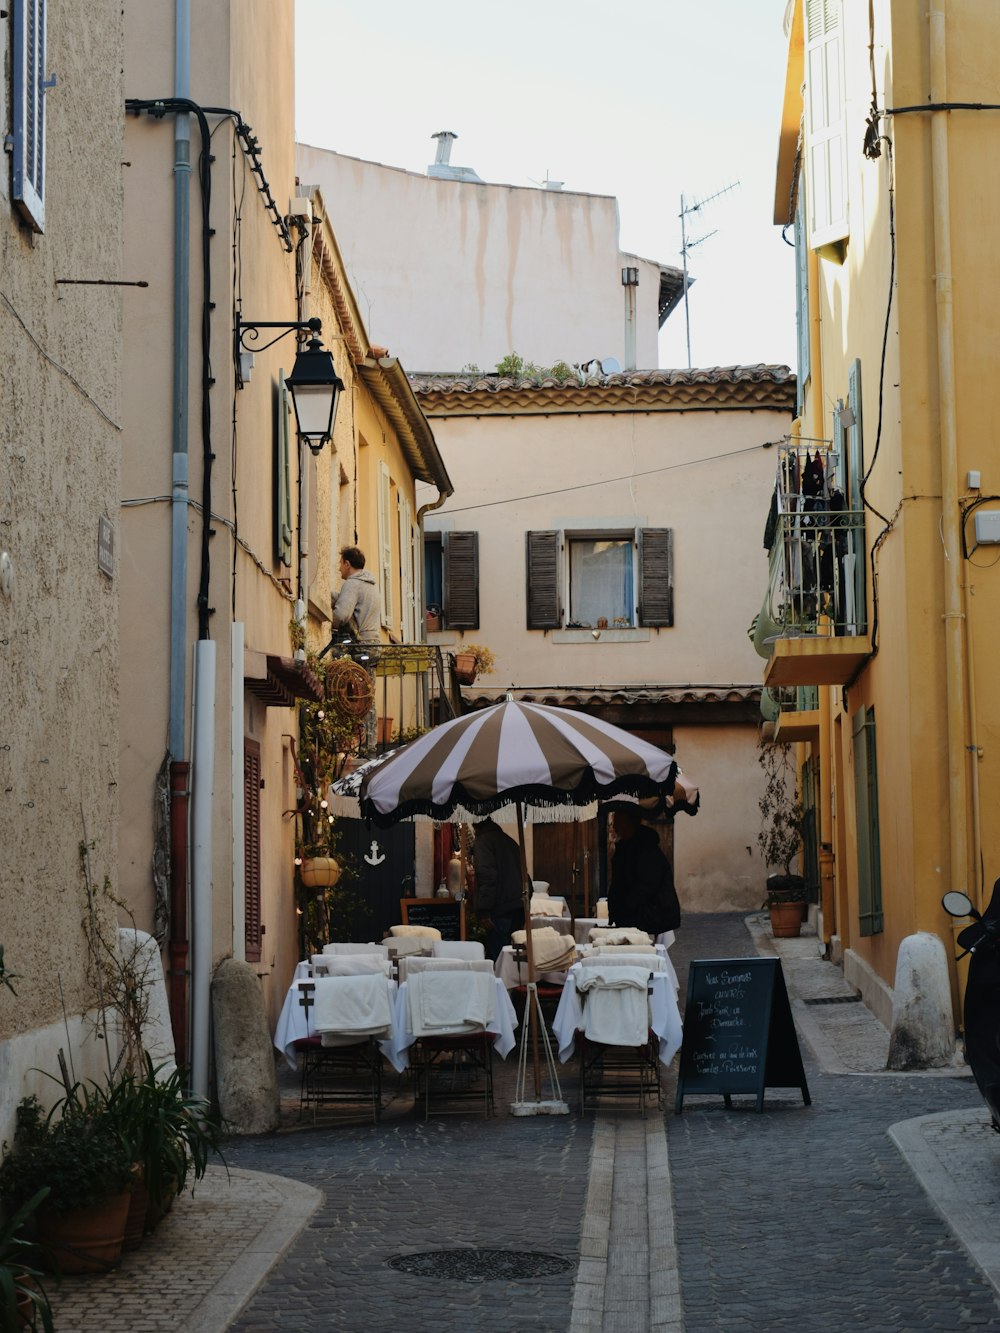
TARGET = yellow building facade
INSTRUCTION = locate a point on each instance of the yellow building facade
(881, 623)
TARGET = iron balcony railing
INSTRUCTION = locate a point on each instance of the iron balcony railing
(415, 688)
(816, 582)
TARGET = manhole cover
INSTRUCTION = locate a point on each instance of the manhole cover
(834, 999)
(480, 1265)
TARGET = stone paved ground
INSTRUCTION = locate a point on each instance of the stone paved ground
(410, 1186)
(809, 1218)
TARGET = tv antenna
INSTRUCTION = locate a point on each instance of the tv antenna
(694, 207)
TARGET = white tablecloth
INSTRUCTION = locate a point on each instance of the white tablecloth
(665, 1018)
(503, 1023)
(296, 1021)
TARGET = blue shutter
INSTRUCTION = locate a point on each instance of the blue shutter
(28, 59)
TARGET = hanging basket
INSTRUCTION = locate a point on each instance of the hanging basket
(319, 872)
(464, 668)
(350, 688)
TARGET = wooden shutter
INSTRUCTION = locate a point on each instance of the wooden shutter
(866, 812)
(407, 613)
(28, 111)
(460, 579)
(282, 477)
(656, 576)
(801, 300)
(542, 567)
(251, 826)
(385, 542)
(826, 146)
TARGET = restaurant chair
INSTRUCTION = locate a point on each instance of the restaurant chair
(345, 946)
(353, 1013)
(350, 964)
(450, 1004)
(457, 949)
(617, 1049)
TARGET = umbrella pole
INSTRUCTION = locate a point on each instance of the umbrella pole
(532, 1004)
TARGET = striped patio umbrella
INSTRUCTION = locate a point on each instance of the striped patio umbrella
(525, 755)
(515, 753)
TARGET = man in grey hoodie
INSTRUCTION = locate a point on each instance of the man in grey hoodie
(358, 605)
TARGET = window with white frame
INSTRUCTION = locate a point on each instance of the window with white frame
(600, 579)
(826, 147)
(28, 111)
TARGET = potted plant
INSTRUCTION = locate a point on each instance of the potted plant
(780, 839)
(23, 1301)
(87, 1169)
(473, 659)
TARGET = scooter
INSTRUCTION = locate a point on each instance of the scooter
(981, 941)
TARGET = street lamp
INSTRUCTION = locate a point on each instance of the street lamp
(314, 384)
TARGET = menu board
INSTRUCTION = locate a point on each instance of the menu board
(739, 1036)
(447, 915)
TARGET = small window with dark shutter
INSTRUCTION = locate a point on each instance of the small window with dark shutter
(656, 576)
(251, 825)
(28, 111)
(460, 579)
(542, 568)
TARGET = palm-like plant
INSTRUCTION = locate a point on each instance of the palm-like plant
(23, 1301)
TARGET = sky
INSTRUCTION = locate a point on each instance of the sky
(646, 100)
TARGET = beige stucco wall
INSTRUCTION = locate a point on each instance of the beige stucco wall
(906, 683)
(510, 268)
(706, 475)
(60, 395)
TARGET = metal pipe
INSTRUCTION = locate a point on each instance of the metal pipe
(179, 404)
(952, 573)
(179, 794)
(203, 763)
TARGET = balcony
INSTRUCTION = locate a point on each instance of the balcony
(415, 688)
(812, 626)
(792, 711)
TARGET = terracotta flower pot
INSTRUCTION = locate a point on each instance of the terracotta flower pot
(135, 1222)
(319, 872)
(465, 668)
(786, 919)
(85, 1240)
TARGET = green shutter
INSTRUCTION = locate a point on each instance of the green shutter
(460, 579)
(656, 576)
(542, 568)
(855, 476)
(282, 476)
(866, 808)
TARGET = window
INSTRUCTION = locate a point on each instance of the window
(866, 808)
(451, 578)
(28, 118)
(282, 476)
(621, 578)
(253, 931)
(826, 157)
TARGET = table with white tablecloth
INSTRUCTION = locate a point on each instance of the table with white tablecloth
(502, 1024)
(296, 1020)
(665, 1018)
(514, 973)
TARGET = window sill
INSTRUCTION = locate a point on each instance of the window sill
(600, 636)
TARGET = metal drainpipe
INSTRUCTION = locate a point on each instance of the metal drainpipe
(953, 609)
(179, 769)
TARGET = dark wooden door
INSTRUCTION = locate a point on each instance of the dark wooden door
(382, 865)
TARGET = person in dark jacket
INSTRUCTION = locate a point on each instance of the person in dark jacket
(499, 901)
(641, 892)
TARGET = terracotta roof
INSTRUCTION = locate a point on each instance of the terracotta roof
(590, 695)
(761, 386)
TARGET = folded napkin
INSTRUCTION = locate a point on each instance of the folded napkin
(624, 957)
(357, 1006)
(415, 932)
(606, 946)
(542, 905)
(616, 1012)
(552, 951)
(619, 935)
(449, 1000)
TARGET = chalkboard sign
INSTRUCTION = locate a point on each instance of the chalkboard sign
(447, 915)
(739, 1036)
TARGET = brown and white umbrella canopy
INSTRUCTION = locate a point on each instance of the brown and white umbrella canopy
(513, 752)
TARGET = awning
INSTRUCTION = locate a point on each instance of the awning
(278, 681)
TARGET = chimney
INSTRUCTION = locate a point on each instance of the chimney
(445, 139)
